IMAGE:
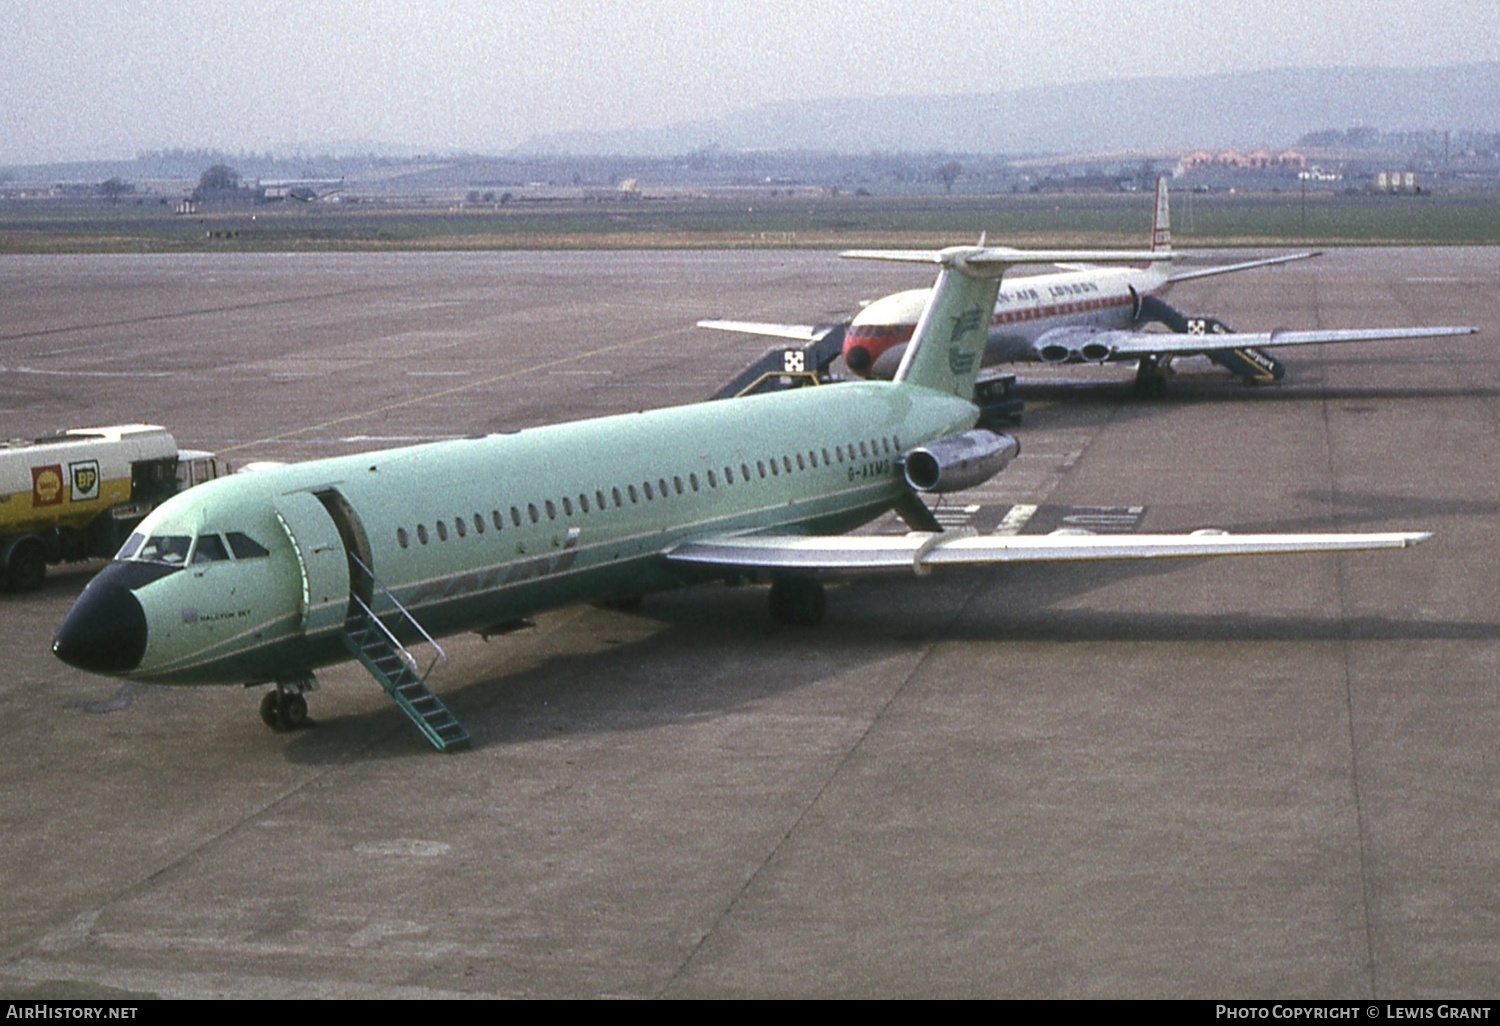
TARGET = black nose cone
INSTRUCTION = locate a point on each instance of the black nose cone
(105, 631)
(857, 359)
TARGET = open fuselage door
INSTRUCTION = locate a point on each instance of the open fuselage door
(321, 558)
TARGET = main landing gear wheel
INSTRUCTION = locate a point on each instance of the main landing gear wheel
(797, 601)
(282, 710)
(1150, 378)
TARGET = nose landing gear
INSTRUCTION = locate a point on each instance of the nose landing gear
(284, 708)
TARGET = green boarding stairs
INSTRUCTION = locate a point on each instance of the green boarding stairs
(390, 663)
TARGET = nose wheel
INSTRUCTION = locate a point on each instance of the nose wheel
(283, 709)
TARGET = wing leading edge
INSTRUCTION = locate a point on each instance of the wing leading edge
(919, 552)
(793, 332)
(1209, 272)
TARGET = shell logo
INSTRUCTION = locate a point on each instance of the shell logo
(46, 485)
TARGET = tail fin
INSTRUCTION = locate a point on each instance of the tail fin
(948, 345)
(1161, 225)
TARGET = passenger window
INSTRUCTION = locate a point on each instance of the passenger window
(497, 520)
(515, 516)
(677, 481)
(458, 525)
(801, 463)
(478, 524)
(646, 488)
(551, 510)
(599, 497)
(583, 502)
(693, 481)
(442, 530)
(616, 493)
(210, 549)
(713, 480)
(631, 490)
(422, 533)
(531, 510)
(662, 487)
(401, 537)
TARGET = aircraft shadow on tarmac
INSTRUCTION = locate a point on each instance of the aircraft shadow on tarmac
(710, 651)
(1221, 390)
(1377, 511)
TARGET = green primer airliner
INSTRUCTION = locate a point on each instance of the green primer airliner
(264, 577)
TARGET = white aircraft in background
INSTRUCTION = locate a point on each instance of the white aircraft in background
(1089, 314)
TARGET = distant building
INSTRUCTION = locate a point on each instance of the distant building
(1394, 181)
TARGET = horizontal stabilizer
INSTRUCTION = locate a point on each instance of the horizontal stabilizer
(920, 552)
(993, 261)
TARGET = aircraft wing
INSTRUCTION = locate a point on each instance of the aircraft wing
(1209, 272)
(919, 552)
(795, 332)
(1129, 345)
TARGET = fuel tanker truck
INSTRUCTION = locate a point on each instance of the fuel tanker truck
(79, 493)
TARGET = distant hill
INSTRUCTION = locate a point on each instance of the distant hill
(1238, 109)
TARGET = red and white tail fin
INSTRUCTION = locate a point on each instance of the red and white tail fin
(1161, 226)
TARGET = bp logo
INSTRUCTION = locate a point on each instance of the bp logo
(46, 485)
(84, 480)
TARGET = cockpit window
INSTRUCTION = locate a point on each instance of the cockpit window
(210, 549)
(171, 549)
(245, 547)
(131, 544)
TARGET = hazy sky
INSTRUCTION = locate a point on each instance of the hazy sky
(108, 78)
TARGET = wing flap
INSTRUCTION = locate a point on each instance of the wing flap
(919, 552)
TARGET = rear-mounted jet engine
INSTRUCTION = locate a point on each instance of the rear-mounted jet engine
(955, 462)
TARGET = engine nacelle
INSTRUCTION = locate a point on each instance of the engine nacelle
(955, 462)
(1074, 345)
